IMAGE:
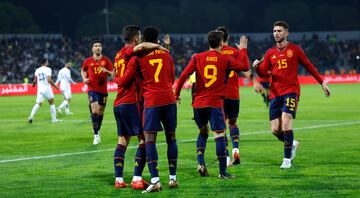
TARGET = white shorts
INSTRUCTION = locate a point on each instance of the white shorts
(66, 93)
(44, 93)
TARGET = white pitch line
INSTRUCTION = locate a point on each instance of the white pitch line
(179, 141)
(192, 121)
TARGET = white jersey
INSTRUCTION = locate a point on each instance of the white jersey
(43, 86)
(64, 77)
(41, 74)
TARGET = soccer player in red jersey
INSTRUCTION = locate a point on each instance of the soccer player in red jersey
(95, 70)
(232, 97)
(157, 73)
(281, 63)
(127, 109)
(211, 72)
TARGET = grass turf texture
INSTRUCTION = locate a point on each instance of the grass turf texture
(327, 163)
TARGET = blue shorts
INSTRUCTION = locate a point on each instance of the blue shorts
(231, 108)
(266, 85)
(128, 120)
(214, 115)
(287, 103)
(97, 97)
(155, 116)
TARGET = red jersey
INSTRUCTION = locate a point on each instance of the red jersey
(232, 85)
(128, 94)
(283, 65)
(157, 75)
(211, 68)
(97, 79)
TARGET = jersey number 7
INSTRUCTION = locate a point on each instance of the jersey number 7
(159, 65)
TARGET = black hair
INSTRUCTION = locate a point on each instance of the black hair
(43, 61)
(225, 31)
(214, 38)
(151, 34)
(95, 41)
(282, 24)
(129, 32)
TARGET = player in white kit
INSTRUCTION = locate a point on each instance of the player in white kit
(64, 77)
(43, 80)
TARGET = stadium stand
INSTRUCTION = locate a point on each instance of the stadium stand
(19, 54)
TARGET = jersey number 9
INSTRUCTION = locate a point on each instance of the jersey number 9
(211, 77)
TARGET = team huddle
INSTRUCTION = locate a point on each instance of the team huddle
(147, 104)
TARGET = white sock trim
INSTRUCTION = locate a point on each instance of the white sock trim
(173, 177)
(119, 179)
(137, 178)
(155, 180)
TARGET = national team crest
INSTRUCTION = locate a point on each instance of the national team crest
(290, 53)
(102, 63)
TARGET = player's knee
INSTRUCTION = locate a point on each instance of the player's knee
(123, 140)
(170, 137)
(286, 125)
(218, 134)
(232, 121)
(141, 138)
(204, 132)
(95, 111)
(275, 130)
(150, 137)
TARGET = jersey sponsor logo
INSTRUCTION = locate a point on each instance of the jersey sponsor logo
(290, 53)
(227, 52)
(91, 64)
(273, 57)
(103, 63)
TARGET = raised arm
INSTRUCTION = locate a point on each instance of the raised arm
(167, 41)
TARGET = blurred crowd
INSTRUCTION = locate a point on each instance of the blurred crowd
(19, 57)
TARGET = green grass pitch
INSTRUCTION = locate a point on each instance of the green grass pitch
(59, 160)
